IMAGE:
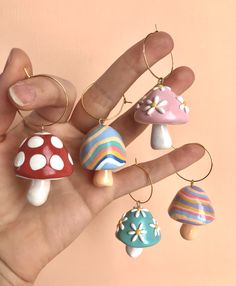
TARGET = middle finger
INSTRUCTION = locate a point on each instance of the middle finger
(100, 99)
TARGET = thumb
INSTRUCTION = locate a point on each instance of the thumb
(13, 72)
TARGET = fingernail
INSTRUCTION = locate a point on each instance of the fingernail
(22, 94)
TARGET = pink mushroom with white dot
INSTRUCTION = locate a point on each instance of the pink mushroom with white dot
(161, 107)
(42, 158)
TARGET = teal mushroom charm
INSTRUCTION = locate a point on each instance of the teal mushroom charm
(138, 229)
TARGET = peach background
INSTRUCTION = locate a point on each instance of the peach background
(78, 40)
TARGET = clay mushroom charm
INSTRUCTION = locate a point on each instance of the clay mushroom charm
(42, 158)
(102, 150)
(138, 229)
(192, 207)
(160, 107)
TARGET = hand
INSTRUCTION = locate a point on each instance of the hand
(32, 236)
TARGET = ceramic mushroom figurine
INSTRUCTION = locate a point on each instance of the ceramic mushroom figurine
(192, 207)
(161, 107)
(102, 150)
(138, 229)
(42, 158)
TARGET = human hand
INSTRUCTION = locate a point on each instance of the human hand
(32, 236)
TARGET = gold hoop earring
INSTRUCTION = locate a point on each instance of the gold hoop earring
(102, 149)
(137, 228)
(43, 125)
(160, 107)
(43, 157)
(191, 206)
(160, 80)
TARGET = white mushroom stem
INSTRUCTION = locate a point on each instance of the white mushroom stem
(160, 138)
(38, 192)
(103, 178)
(133, 252)
(188, 231)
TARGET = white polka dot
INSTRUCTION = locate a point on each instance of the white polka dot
(70, 159)
(56, 162)
(37, 162)
(20, 159)
(35, 142)
(56, 142)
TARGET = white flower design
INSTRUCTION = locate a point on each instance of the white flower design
(141, 101)
(139, 210)
(183, 105)
(137, 232)
(161, 87)
(155, 104)
(120, 225)
(156, 227)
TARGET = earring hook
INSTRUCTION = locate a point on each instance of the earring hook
(192, 181)
(151, 185)
(102, 120)
(160, 79)
(66, 101)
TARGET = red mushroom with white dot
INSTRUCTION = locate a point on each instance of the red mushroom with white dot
(42, 158)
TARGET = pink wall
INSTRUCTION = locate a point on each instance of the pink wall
(78, 40)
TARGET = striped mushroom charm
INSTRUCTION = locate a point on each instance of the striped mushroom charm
(102, 150)
(42, 158)
(192, 207)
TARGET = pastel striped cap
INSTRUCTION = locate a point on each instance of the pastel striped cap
(102, 149)
(192, 206)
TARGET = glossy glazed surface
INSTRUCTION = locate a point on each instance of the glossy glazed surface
(160, 137)
(103, 178)
(102, 149)
(43, 156)
(191, 205)
(138, 229)
(162, 106)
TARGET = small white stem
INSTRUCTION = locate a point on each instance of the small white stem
(160, 138)
(38, 192)
(133, 252)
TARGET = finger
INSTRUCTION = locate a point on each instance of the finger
(133, 178)
(179, 81)
(45, 96)
(108, 89)
(13, 72)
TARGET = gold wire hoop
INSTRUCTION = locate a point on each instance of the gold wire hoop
(102, 120)
(160, 79)
(151, 185)
(66, 101)
(203, 178)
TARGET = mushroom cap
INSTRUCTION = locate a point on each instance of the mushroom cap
(142, 220)
(171, 108)
(191, 205)
(43, 156)
(102, 149)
